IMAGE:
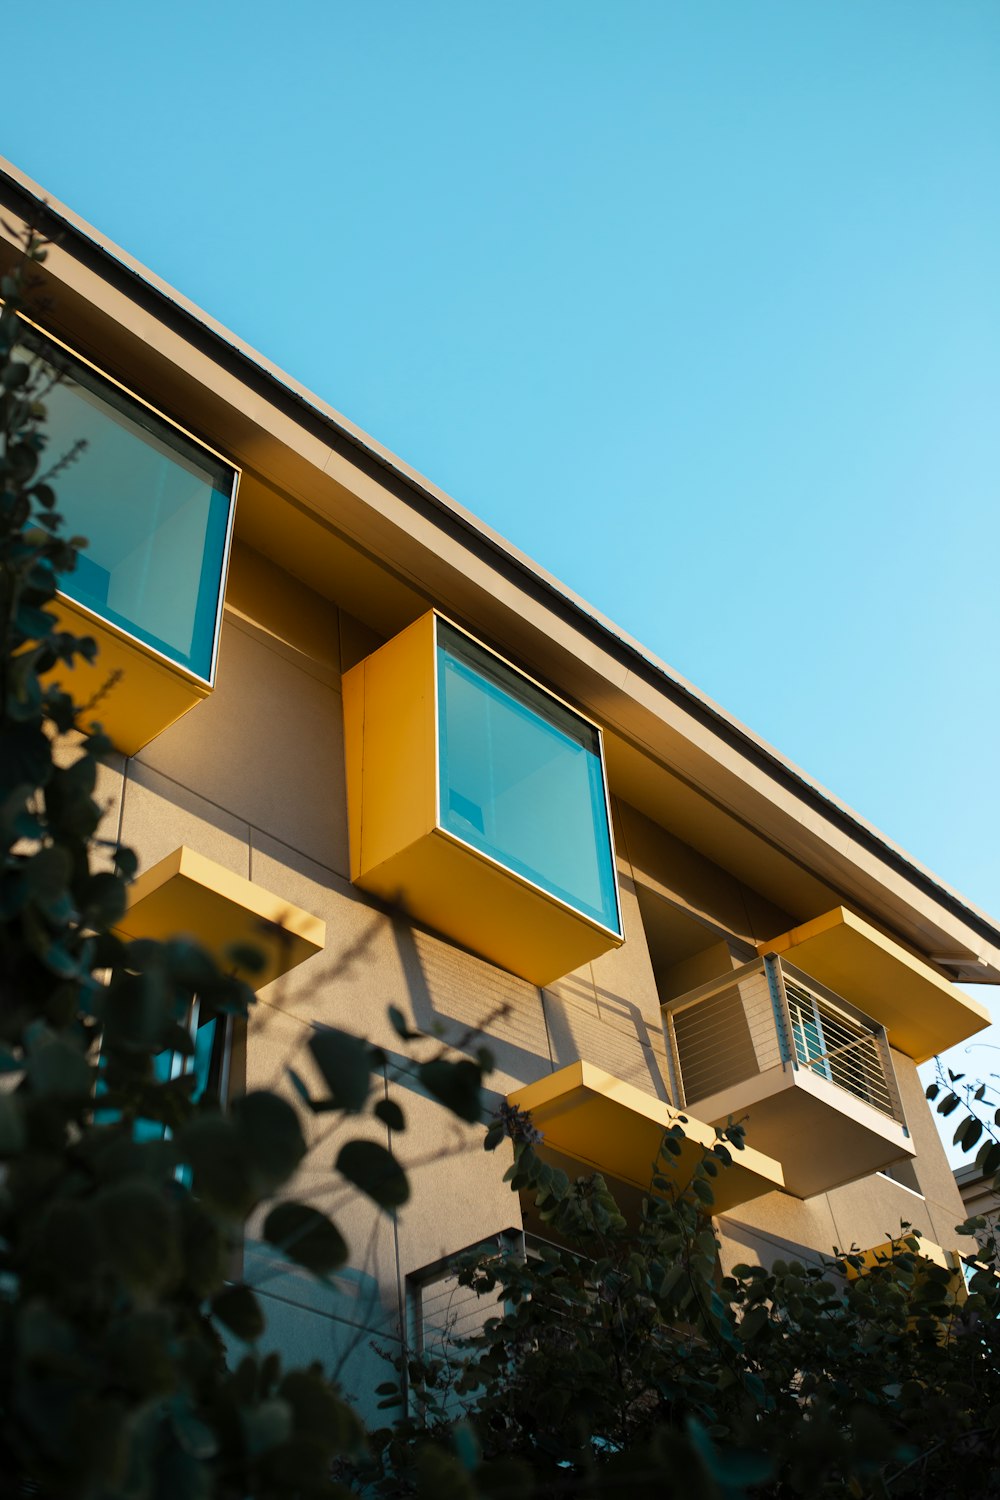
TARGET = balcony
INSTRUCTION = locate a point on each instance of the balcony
(477, 800)
(810, 1073)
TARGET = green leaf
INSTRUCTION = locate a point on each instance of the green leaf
(139, 1233)
(267, 1426)
(345, 1064)
(319, 1414)
(195, 1437)
(306, 1236)
(47, 875)
(753, 1323)
(103, 900)
(12, 1131)
(375, 1171)
(457, 1085)
(60, 1070)
(238, 1310)
(988, 1160)
(211, 1144)
(25, 757)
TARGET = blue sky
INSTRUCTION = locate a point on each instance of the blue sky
(698, 304)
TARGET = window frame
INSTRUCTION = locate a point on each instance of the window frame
(618, 933)
(103, 377)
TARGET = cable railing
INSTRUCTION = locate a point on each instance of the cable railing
(768, 1014)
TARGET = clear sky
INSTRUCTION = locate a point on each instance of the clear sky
(698, 304)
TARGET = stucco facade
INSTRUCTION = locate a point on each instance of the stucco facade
(720, 846)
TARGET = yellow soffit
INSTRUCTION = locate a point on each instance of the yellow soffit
(614, 1128)
(922, 1013)
(187, 895)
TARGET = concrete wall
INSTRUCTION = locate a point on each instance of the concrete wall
(254, 778)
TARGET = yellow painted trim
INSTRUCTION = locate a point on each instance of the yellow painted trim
(615, 1128)
(922, 1013)
(186, 894)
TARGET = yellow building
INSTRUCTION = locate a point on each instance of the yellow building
(354, 718)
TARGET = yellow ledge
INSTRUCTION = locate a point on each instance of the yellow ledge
(923, 1013)
(616, 1129)
(187, 895)
(929, 1253)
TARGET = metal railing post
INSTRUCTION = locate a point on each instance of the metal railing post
(677, 1078)
(889, 1073)
(782, 1014)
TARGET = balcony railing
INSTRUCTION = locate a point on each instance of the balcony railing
(768, 1014)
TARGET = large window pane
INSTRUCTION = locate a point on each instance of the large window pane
(154, 507)
(521, 779)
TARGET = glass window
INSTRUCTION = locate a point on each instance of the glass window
(212, 1037)
(521, 779)
(153, 505)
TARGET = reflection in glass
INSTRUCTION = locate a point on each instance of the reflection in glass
(153, 505)
(521, 779)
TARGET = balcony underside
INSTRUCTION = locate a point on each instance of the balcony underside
(607, 1126)
(187, 894)
(822, 1135)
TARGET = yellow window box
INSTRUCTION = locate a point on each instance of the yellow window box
(156, 508)
(133, 693)
(478, 802)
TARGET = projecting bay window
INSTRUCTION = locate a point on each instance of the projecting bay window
(521, 779)
(156, 507)
(478, 801)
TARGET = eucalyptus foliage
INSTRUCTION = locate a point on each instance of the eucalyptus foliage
(118, 1237)
(617, 1359)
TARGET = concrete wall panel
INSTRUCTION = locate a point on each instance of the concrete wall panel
(459, 1196)
(267, 746)
(159, 814)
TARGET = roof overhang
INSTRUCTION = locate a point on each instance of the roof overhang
(332, 507)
